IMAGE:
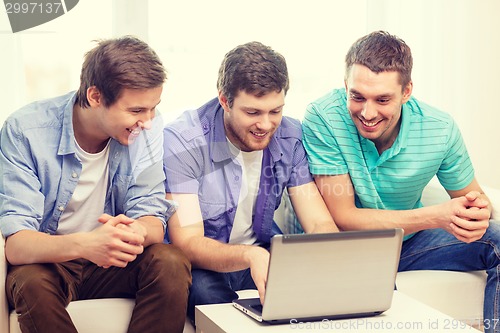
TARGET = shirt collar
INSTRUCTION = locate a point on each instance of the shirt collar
(67, 143)
(219, 147)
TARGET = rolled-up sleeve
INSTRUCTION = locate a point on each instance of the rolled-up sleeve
(21, 202)
(181, 162)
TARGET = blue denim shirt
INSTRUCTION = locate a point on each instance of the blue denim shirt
(197, 160)
(39, 169)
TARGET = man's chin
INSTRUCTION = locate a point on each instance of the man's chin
(259, 146)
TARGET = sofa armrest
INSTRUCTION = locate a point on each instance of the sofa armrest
(4, 308)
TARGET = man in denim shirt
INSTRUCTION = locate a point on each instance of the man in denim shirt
(227, 165)
(82, 201)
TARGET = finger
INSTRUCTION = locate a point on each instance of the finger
(470, 225)
(132, 238)
(104, 218)
(116, 263)
(261, 288)
(123, 257)
(465, 235)
(125, 227)
(262, 293)
(114, 221)
(474, 213)
(467, 240)
(120, 258)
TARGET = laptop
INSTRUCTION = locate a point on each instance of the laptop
(329, 276)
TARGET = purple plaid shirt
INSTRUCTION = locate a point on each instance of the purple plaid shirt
(197, 160)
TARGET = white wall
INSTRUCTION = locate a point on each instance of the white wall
(45, 61)
(455, 45)
(192, 37)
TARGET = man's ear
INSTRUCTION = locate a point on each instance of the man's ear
(407, 92)
(94, 97)
(223, 101)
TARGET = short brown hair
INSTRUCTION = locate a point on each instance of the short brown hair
(381, 52)
(254, 68)
(116, 64)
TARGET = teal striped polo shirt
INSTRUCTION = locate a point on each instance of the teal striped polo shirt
(429, 143)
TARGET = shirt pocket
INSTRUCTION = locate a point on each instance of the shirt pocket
(216, 220)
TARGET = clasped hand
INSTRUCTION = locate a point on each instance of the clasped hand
(469, 217)
(117, 242)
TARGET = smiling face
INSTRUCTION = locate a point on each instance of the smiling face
(132, 113)
(123, 120)
(374, 102)
(251, 121)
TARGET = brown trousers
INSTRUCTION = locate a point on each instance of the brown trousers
(159, 280)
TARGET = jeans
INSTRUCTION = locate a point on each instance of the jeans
(158, 279)
(436, 249)
(213, 288)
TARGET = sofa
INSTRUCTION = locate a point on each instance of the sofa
(458, 294)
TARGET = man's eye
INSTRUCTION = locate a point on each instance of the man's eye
(383, 101)
(357, 98)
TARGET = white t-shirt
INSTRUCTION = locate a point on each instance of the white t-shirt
(251, 164)
(87, 202)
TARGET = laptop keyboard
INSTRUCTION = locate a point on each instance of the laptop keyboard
(257, 307)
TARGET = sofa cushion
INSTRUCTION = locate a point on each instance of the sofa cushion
(457, 294)
(110, 315)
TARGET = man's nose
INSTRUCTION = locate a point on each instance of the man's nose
(369, 110)
(264, 123)
(146, 120)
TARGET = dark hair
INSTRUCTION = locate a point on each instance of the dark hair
(254, 68)
(116, 64)
(381, 52)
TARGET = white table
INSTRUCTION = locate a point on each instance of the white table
(405, 315)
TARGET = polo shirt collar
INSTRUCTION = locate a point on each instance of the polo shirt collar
(404, 129)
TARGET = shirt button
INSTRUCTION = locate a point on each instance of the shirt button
(74, 175)
(60, 208)
(236, 178)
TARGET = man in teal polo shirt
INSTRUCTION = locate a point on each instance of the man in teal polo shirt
(372, 149)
